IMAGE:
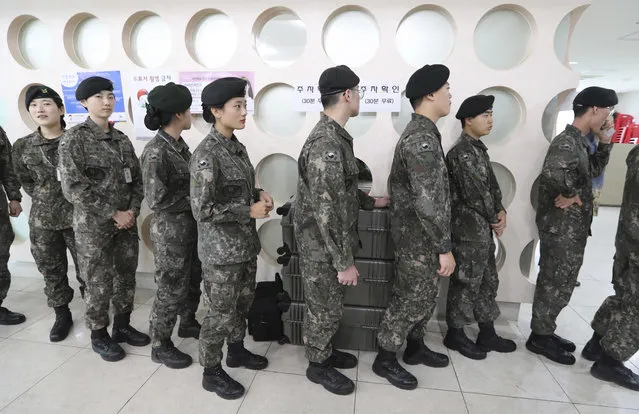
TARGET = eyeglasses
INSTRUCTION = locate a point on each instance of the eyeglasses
(359, 91)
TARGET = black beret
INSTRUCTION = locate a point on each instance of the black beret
(222, 90)
(90, 86)
(427, 80)
(475, 105)
(337, 79)
(41, 91)
(170, 98)
(595, 96)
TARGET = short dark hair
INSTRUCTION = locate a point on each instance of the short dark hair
(615, 115)
(463, 122)
(209, 118)
(580, 110)
(330, 100)
(415, 102)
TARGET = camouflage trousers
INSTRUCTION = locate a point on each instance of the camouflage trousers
(413, 303)
(6, 239)
(473, 285)
(230, 290)
(560, 260)
(324, 297)
(108, 261)
(178, 274)
(49, 250)
(617, 320)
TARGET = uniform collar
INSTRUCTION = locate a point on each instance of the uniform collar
(325, 119)
(178, 144)
(39, 140)
(98, 132)
(231, 144)
(576, 133)
(476, 142)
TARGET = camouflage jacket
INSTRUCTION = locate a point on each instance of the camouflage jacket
(328, 200)
(93, 167)
(35, 160)
(628, 228)
(420, 195)
(165, 173)
(475, 193)
(222, 192)
(568, 170)
(10, 187)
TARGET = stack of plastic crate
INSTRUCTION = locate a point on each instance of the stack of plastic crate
(365, 303)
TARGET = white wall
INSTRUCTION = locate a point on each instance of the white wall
(529, 77)
(629, 104)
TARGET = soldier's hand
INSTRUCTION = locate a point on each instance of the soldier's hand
(265, 197)
(447, 264)
(124, 219)
(260, 210)
(500, 226)
(349, 276)
(14, 208)
(381, 202)
(563, 202)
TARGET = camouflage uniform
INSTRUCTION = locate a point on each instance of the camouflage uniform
(178, 271)
(10, 189)
(476, 201)
(617, 320)
(568, 170)
(222, 192)
(93, 165)
(35, 160)
(420, 227)
(325, 225)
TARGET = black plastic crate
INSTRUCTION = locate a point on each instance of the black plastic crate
(373, 228)
(374, 285)
(357, 330)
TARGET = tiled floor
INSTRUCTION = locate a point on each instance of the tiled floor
(39, 377)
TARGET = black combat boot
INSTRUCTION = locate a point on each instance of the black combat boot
(342, 360)
(216, 380)
(545, 345)
(387, 366)
(106, 347)
(238, 356)
(564, 344)
(62, 325)
(170, 356)
(488, 340)
(592, 351)
(124, 332)
(189, 327)
(11, 318)
(329, 378)
(611, 370)
(418, 353)
(457, 340)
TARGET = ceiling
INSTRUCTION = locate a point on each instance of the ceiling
(604, 47)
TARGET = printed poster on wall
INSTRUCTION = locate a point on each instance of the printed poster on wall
(378, 96)
(196, 81)
(142, 83)
(75, 112)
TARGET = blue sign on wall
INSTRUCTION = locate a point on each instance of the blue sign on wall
(75, 112)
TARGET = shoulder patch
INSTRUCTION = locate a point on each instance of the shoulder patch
(331, 156)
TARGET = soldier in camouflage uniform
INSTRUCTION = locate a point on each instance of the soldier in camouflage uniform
(325, 226)
(35, 159)
(564, 215)
(101, 177)
(616, 323)
(477, 211)
(225, 204)
(178, 271)
(10, 188)
(420, 227)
